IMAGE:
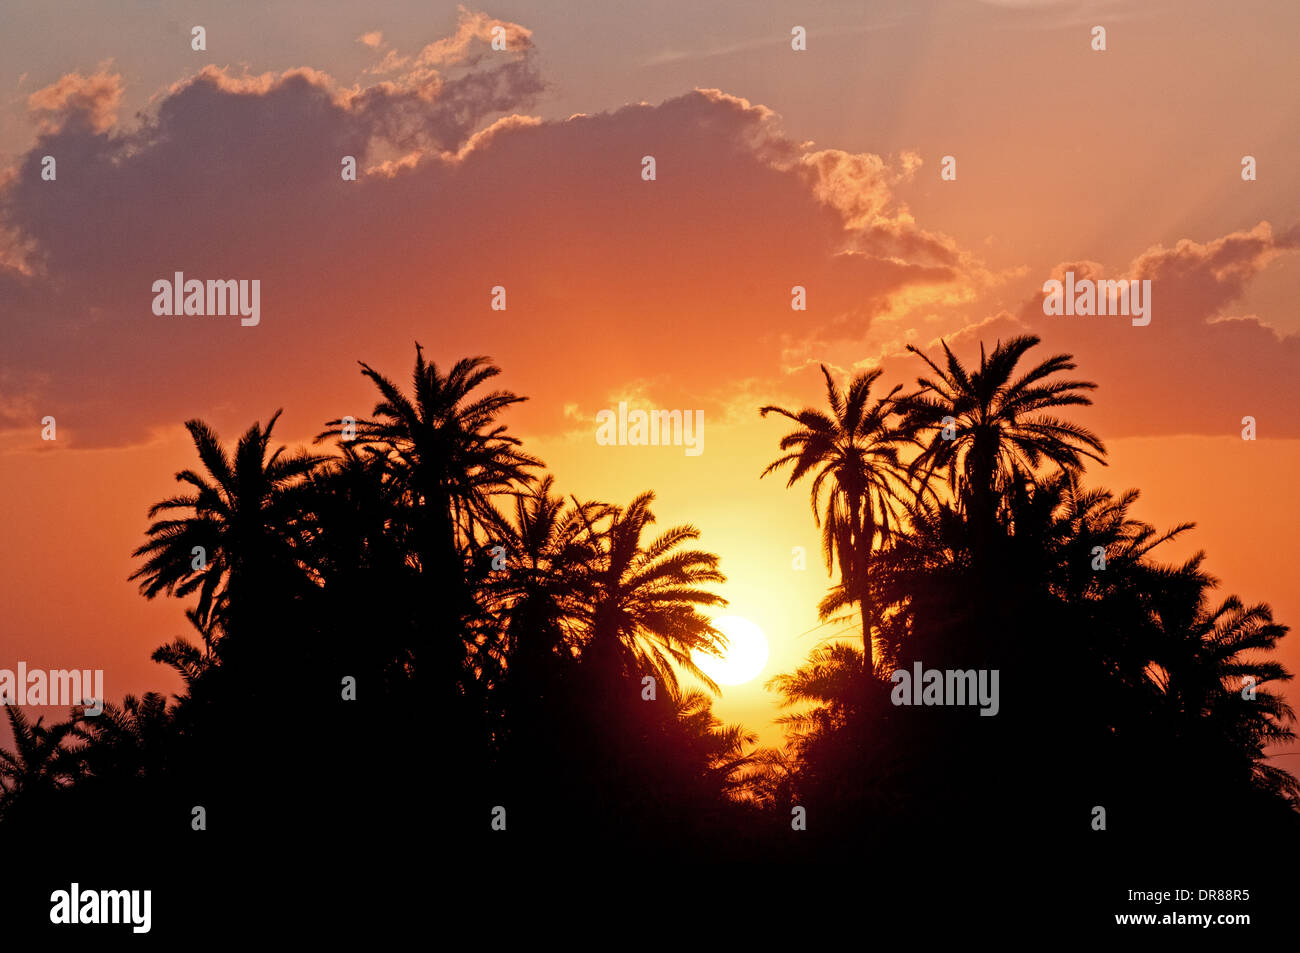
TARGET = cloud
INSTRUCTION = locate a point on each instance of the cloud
(466, 48)
(858, 186)
(86, 102)
(372, 39)
(1202, 279)
(683, 283)
(1196, 368)
(473, 40)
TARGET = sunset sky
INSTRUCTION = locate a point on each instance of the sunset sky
(522, 169)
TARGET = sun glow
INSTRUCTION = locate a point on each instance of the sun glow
(745, 654)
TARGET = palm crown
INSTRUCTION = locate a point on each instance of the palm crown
(983, 424)
(857, 480)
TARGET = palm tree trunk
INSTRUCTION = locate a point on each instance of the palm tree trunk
(868, 640)
(865, 536)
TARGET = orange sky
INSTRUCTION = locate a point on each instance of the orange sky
(775, 168)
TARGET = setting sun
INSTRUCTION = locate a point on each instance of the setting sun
(744, 657)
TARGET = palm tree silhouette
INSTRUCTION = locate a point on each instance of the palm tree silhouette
(1211, 685)
(132, 739)
(983, 423)
(828, 681)
(359, 562)
(357, 530)
(552, 552)
(644, 599)
(447, 450)
(718, 749)
(444, 448)
(37, 766)
(239, 535)
(354, 517)
(853, 454)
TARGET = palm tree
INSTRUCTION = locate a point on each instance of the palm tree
(854, 456)
(642, 611)
(715, 749)
(131, 740)
(354, 518)
(197, 670)
(1201, 673)
(38, 764)
(924, 582)
(1049, 568)
(447, 451)
(844, 748)
(770, 778)
(984, 424)
(536, 605)
(357, 528)
(239, 536)
(828, 682)
(552, 551)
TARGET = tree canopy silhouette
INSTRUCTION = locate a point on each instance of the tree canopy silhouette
(508, 645)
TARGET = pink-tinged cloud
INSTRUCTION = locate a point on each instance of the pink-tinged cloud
(86, 102)
(1196, 368)
(683, 282)
(477, 36)
(473, 39)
